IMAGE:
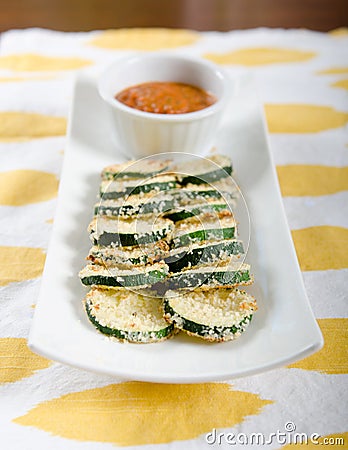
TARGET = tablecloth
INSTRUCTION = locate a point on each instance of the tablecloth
(302, 78)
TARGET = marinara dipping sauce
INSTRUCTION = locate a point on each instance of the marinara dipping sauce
(165, 97)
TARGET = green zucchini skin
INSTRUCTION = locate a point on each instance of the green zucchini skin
(204, 255)
(183, 214)
(142, 188)
(134, 336)
(203, 235)
(124, 171)
(130, 210)
(136, 280)
(188, 279)
(187, 195)
(126, 175)
(202, 330)
(101, 259)
(113, 232)
(130, 262)
(208, 177)
(108, 175)
(126, 258)
(128, 240)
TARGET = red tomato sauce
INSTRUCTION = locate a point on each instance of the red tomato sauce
(166, 97)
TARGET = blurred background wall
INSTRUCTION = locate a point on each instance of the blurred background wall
(82, 15)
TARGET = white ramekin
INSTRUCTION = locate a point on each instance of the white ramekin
(140, 133)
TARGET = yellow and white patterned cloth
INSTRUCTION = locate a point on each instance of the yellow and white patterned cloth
(303, 80)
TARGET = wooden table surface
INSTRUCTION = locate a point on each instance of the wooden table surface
(76, 15)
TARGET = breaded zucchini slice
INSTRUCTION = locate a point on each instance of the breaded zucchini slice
(135, 169)
(128, 257)
(195, 195)
(230, 275)
(208, 170)
(140, 277)
(215, 315)
(216, 208)
(123, 188)
(201, 229)
(201, 254)
(135, 205)
(106, 231)
(127, 316)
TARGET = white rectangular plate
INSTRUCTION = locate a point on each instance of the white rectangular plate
(282, 331)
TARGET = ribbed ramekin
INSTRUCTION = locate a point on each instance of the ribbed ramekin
(140, 133)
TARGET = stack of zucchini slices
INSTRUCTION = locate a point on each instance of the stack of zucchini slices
(165, 253)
